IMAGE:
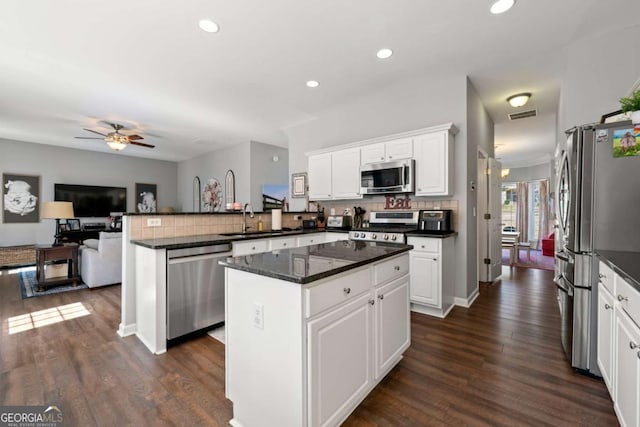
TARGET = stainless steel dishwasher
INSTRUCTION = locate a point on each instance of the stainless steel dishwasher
(195, 289)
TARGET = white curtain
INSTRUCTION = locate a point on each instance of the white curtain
(543, 224)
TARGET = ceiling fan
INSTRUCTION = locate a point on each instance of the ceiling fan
(115, 140)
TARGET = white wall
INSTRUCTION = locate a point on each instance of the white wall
(405, 106)
(265, 171)
(70, 166)
(530, 173)
(600, 70)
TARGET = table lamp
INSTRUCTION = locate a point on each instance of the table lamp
(57, 211)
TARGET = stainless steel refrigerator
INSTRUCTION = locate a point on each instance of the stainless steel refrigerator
(598, 207)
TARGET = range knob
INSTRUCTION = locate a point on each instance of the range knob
(356, 235)
(374, 236)
(394, 237)
(386, 237)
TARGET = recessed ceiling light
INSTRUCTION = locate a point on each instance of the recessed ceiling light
(501, 6)
(384, 53)
(209, 26)
(312, 83)
(518, 100)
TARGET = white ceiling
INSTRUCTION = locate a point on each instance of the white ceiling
(68, 64)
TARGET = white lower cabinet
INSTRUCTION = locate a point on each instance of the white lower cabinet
(340, 361)
(606, 336)
(619, 343)
(322, 347)
(432, 288)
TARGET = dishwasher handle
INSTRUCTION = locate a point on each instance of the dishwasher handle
(194, 258)
(198, 250)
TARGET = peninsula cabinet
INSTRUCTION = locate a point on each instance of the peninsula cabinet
(335, 175)
(432, 275)
(605, 336)
(433, 153)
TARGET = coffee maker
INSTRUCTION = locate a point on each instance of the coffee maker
(435, 220)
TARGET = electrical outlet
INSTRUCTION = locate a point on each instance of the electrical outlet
(258, 316)
(297, 217)
(154, 222)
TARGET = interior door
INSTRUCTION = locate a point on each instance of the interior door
(494, 223)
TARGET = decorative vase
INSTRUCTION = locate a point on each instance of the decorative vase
(635, 117)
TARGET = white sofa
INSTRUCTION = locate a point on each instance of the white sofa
(101, 260)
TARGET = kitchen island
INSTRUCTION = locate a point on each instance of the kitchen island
(310, 331)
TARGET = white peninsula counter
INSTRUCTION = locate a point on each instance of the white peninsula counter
(310, 331)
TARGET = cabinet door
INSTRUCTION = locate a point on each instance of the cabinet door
(605, 336)
(399, 149)
(282, 243)
(311, 239)
(250, 247)
(345, 176)
(392, 331)
(339, 361)
(425, 278)
(627, 370)
(432, 164)
(320, 177)
(373, 153)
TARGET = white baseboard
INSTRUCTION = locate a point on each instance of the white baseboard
(467, 302)
(126, 330)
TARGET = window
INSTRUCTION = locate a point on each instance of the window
(509, 204)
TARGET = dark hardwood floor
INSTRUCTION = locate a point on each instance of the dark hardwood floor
(497, 363)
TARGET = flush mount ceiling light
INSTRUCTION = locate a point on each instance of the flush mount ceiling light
(501, 6)
(209, 26)
(312, 83)
(384, 53)
(519, 99)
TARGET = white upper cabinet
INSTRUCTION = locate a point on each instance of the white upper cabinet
(389, 151)
(433, 153)
(335, 175)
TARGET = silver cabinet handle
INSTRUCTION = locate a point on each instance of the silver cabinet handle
(422, 246)
(632, 345)
(621, 298)
(372, 301)
(602, 276)
(253, 248)
(284, 244)
(396, 268)
(381, 158)
(435, 259)
(381, 296)
(347, 291)
(607, 306)
(638, 354)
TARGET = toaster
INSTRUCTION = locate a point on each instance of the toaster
(341, 222)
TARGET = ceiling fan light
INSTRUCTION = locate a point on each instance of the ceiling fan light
(209, 26)
(116, 145)
(501, 6)
(519, 100)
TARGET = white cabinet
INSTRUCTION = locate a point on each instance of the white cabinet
(336, 236)
(311, 239)
(432, 287)
(250, 247)
(335, 175)
(340, 361)
(606, 335)
(282, 243)
(392, 328)
(627, 369)
(433, 154)
(389, 151)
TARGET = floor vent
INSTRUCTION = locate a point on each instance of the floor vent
(523, 114)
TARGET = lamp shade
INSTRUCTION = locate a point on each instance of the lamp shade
(57, 210)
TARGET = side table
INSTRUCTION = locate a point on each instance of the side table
(46, 253)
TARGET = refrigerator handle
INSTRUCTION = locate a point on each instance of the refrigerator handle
(562, 257)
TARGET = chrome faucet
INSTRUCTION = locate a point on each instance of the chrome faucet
(244, 216)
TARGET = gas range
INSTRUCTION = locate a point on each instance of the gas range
(387, 227)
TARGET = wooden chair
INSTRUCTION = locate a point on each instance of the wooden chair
(512, 251)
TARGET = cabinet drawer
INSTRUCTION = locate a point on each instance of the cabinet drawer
(606, 277)
(628, 297)
(391, 269)
(425, 244)
(283, 243)
(251, 247)
(320, 297)
(311, 239)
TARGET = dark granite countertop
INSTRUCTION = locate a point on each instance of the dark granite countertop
(310, 263)
(238, 212)
(432, 233)
(212, 239)
(626, 264)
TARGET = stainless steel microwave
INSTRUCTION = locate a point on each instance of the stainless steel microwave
(389, 177)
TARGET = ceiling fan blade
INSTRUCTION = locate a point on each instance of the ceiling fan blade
(87, 137)
(134, 137)
(93, 131)
(141, 144)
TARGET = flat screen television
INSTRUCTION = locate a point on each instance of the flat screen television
(92, 200)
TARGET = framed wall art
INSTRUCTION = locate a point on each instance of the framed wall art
(146, 198)
(299, 185)
(20, 198)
